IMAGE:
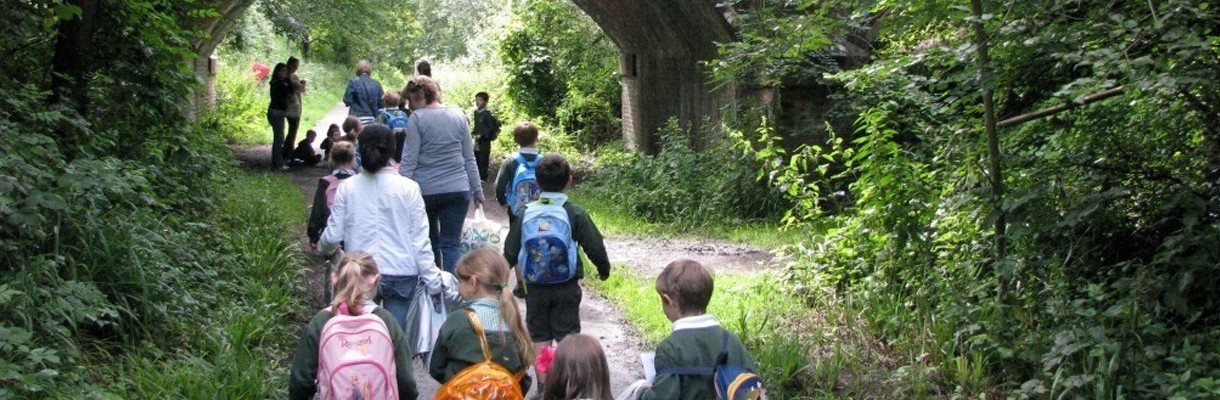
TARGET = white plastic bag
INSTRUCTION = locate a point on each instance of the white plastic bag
(480, 231)
(634, 391)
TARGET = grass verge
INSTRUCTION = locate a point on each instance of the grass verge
(822, 351)
(614, 220)
(240, 350)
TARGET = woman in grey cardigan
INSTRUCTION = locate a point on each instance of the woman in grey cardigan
(439, 155)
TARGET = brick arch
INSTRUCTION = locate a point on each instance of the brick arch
(662, 43)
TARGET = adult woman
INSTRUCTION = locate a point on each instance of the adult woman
(439, 155)
(363, 94)
(382, 214)
(294, 105)
(281, 89)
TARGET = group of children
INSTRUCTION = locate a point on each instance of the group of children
(540, 256)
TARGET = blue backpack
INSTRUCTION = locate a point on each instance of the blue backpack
(524, 188)
(732, 382)
(394, 118)
(548, 254)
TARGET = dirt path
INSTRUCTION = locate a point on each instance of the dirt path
(599, 317)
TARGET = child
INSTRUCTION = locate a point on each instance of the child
(542, 243)
(304, 153)
(355, 283)
(579, 371)
(396, 118)
(482, 281)
(343, 166)
(697, 339)
(333, 134)
(486, 130)
(525, 135)
(352, 128)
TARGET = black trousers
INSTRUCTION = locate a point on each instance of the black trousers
(482, 157)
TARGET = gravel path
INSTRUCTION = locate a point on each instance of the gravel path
(599, 317)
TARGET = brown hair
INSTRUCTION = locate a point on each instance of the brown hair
(424, 86)
(342, 153)
(578, 371)
(491, 270)
(390, 99)
(552, 172)
(689, 283)
(364, 67)
(352, 128)
(525, 134)
(355, 281)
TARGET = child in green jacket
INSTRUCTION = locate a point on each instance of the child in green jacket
(483, 282)
(697, 339)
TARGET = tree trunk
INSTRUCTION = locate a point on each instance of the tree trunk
(993, 146)
(70, 63)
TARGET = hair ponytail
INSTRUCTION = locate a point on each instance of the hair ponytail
(377, 147)
(352, 282)
(491, 270)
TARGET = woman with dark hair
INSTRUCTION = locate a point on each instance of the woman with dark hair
(439, 154)
(277, 112)
(381, 213)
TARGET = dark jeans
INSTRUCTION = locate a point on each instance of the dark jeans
(482, 157)
(276, 119)
(397, 293)
(294, 123)
(446, 214)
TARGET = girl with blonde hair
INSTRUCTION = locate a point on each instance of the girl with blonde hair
(483, 282)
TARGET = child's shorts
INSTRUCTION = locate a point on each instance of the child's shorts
(553, 312)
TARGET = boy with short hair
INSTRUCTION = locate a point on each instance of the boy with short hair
(697, 340)
(525, 134)
(541, 245)
(486, 130)
(396, 118)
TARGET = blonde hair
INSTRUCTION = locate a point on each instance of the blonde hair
(364, 67)
(491, 271)
(578, 371)
(355, 281)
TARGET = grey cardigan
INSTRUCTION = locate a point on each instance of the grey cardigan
(438, 152)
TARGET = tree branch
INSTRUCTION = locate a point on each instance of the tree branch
(1023, 118)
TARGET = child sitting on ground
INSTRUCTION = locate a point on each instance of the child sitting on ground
(325, 346)
(482, 281)
(542, 243)
(333, 134)
(579, 371)
(697, 340)
(304, 153)
(516, 184)
(343, 166)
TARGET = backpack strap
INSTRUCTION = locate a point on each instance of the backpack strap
(721, 360)
(478, 332)
(343, 310)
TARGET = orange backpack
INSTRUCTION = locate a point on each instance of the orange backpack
(485, 380)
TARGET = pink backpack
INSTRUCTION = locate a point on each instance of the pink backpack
(332, 186)
(356, 358)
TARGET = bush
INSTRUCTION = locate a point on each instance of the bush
(683, 186)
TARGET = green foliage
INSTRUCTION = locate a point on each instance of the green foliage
(686, 187)
(1112, 208)
(748, 304)
(108, 213)
(555, 73)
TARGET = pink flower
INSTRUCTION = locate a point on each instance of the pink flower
(545, 356)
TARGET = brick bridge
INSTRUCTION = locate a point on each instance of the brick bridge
(661, 44)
